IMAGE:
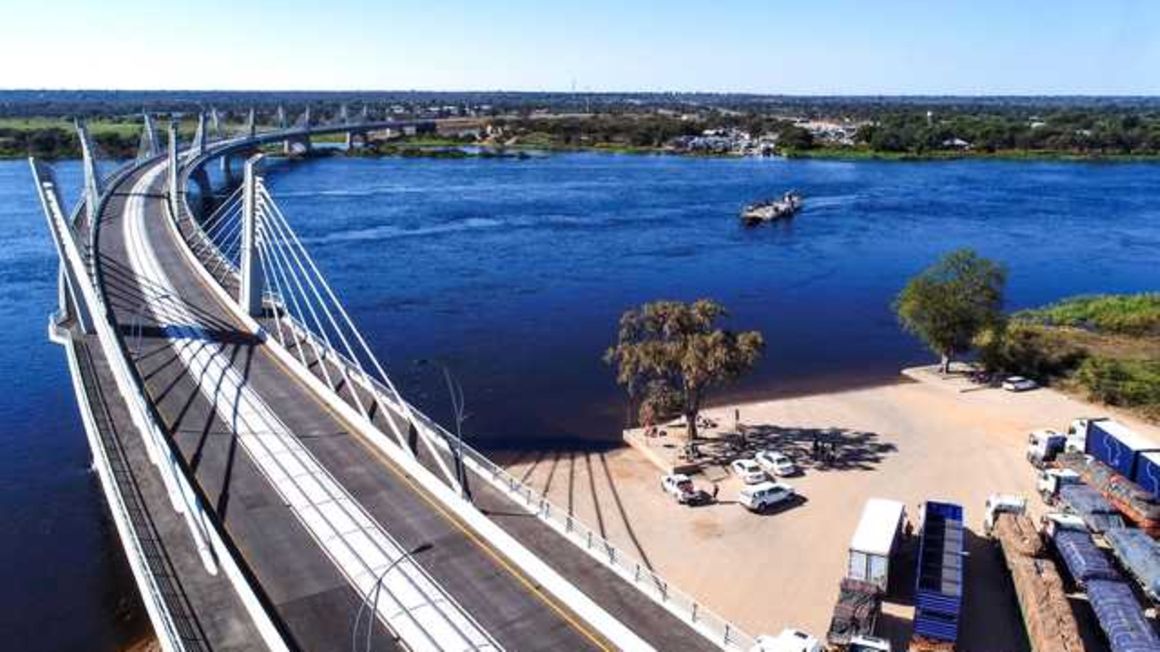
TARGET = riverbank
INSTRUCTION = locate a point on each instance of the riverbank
(451, 150)
(927, 437)
(860, 154)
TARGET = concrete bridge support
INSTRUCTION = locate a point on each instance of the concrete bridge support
(250, 294)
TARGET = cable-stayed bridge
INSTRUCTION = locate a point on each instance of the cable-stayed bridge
(271, 487)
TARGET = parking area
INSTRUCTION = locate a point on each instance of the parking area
(930, 438)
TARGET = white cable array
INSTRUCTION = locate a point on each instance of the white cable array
(316, 311)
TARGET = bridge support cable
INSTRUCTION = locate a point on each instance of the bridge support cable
(299, 297)
(279, 295)
(280, 247)
(357, 352)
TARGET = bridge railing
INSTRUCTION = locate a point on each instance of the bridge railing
(629, 567)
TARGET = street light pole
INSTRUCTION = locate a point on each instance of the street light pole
(138, 315)
(459, 411)
(374, 597)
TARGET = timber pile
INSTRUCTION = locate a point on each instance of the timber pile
(924, 644)
(1039, 589)
(1136, 504)
(1047, 615)
(1017, 536)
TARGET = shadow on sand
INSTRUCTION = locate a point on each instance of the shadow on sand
(851, 450)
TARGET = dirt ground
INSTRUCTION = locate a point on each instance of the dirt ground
(930, 438)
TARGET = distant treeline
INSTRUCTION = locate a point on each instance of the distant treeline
(1080, 131)
(58, 143)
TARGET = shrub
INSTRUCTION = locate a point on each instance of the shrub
(1127, 383)
(1127, 314)
(1028, 351)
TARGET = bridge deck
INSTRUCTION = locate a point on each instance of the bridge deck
(311, 598)
(206, 610)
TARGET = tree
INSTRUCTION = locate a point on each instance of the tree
(668, 349)
(950, 303)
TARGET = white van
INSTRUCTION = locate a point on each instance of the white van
(763, 495)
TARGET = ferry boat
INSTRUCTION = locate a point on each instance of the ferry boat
(771, 210)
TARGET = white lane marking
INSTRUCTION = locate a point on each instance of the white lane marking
(411, 603)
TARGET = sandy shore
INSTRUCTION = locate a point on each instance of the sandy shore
(932, 438)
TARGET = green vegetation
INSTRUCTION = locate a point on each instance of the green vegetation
(55, 138)
(949, 304)
(1131, 314)
(1105, 347)
(1127, 383)
(670, 354)
(1082, 131)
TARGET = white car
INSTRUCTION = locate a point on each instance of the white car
(789, 640)
(677, 484)
(775, 464)
(760, 497)
(1018, 384)
(748, 471)
(681, 487)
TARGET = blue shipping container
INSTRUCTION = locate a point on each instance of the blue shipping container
(1121, 617)
(938, 591)
(1116, 445)
(1148, 472)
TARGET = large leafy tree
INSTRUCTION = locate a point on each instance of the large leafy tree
(951, 302)
(674, 352)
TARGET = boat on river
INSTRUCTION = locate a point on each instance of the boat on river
(771, 210)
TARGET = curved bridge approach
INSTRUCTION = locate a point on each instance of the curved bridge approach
(271, 487)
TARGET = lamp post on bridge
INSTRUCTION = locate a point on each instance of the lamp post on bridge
(459, 411)
(138, 315)
(373, 596)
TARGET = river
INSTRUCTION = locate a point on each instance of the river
(513, 273)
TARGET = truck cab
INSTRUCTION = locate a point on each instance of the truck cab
(1050, 480)
(1077, 432)
(1060, 521)
(998, 504)
(1043, 445)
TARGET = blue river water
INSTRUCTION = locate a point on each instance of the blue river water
(514, 272)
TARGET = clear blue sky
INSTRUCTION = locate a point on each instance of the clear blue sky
(766, 46)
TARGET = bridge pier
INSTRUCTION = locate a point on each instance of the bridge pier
(204, 189)
(227, 173)
(250, 294)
